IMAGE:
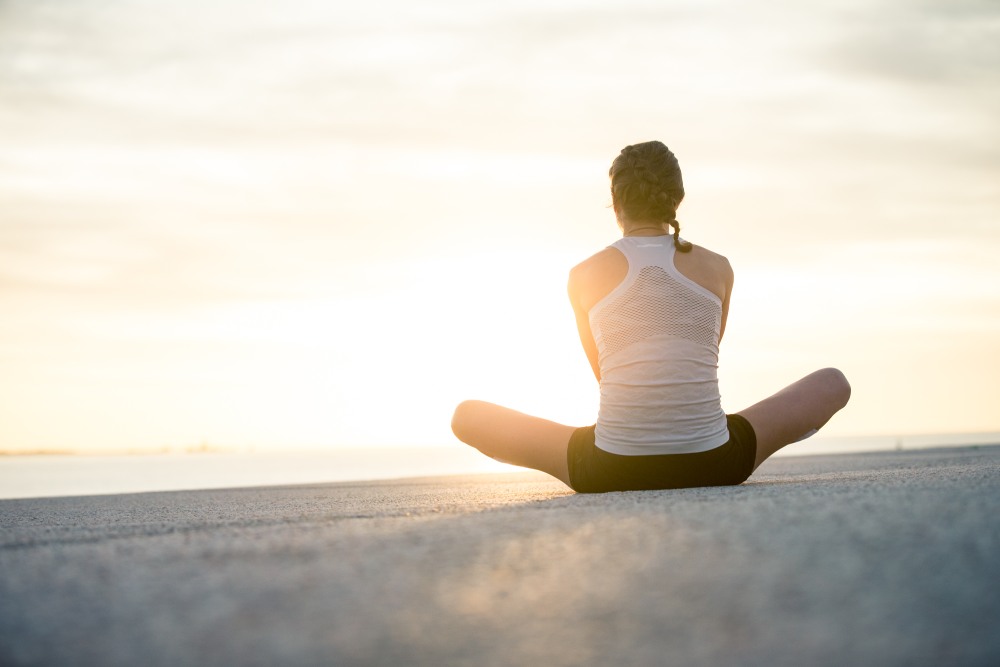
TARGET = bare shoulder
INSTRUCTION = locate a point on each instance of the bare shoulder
(595, 276)
(712, 270)
(710, 258)
(714, 258)
(596, 264)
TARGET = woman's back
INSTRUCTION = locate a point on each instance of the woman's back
(655, 333)
(597, 276)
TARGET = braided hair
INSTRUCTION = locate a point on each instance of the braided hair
(646, 184)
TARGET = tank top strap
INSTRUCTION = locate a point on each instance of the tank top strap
(643, 251)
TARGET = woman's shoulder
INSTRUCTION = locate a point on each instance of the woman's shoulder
(710, 269)
(714, 259)
(603, 259)
(597, 275)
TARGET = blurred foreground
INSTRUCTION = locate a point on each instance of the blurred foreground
(880, 558)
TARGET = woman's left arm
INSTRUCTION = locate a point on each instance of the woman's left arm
(727, 275)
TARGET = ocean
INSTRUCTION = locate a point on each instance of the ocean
(34, 476)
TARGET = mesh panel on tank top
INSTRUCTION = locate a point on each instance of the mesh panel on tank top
(658, 304)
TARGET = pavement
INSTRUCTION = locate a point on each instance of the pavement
(863, 559)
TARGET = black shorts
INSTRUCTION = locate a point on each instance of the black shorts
(593, 470)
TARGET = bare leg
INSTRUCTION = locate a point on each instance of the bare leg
(797, 411)
(514, 437)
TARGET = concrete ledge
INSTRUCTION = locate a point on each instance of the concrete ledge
(873, 559)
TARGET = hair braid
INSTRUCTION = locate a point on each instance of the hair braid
(646, 184)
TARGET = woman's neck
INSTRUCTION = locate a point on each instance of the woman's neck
(644, 230)
(632, 227)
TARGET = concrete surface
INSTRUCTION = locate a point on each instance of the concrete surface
(866, 559)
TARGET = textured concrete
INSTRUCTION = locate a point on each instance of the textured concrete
(870, 559)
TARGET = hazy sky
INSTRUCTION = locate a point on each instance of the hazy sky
(316, 224)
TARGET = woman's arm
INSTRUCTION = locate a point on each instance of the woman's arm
(727, 273)
(586, 335)
(589, 282)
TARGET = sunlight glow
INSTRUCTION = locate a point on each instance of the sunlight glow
(324, 225)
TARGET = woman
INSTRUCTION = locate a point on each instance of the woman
(651, 310)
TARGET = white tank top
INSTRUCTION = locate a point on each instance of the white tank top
(657, 336)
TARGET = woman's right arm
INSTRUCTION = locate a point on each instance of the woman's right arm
(589, 282)
(586, 335)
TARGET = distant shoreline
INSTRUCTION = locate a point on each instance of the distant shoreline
(23, 477)
(820, 445)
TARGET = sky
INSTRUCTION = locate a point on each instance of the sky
(322, 224)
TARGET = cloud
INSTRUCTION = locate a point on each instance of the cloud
(218, 130)
(944, 44)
